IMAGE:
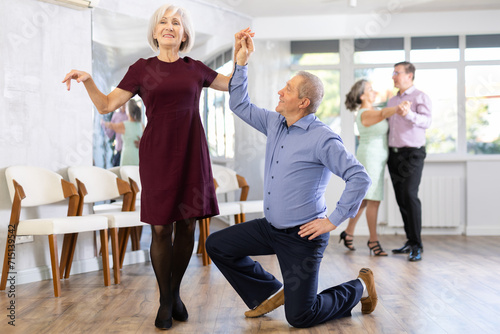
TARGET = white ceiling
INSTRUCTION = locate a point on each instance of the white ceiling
(265, 8)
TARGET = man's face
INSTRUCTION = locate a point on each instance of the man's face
(402, 80)
(289, 97)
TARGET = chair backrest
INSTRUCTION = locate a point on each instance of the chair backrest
(41, 186)
(101, 184)
(132, 172)
(226, 178)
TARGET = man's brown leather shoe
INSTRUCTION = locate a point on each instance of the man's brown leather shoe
(369, 303)
(267, 305)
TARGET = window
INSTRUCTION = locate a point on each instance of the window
(315, 52)
(329, 110)
(482, 91)
(322, 58)
(436, 79)
(441, 86)
(217, 118)
(378, 50)
(465, 92)
(482, 47)
(434, 49)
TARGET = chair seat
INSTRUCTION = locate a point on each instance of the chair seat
(63, 225)
(252, 206)
(112, 207)
(105, 208)
(123, 219)
(229, 208)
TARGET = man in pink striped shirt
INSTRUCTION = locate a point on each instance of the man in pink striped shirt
(407, 154)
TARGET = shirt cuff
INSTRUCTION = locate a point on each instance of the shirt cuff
(335, 218)
(239, 76)
(410, 116)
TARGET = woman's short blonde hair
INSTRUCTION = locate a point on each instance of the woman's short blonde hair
(186, 23)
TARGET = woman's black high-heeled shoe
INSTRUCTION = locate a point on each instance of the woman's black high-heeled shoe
(347, 243)
(376, 248)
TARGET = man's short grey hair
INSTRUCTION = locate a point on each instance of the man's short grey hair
(312, 88)
(186, 23)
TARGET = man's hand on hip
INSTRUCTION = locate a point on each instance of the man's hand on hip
(316, 227)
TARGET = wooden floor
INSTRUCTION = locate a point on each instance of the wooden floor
(455, 289)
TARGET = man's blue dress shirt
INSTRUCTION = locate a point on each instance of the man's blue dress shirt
(299, 162)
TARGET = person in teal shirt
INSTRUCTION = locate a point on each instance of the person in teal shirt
(131, 132)
(372, 153)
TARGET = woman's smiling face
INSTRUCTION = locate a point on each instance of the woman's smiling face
(169, 32)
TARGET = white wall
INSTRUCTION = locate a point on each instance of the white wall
(41, 123)
(483, 184)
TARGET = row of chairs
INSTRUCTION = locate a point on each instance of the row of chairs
(34, 187)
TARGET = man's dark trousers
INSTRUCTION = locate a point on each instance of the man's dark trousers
(299, 260)
(405, 167)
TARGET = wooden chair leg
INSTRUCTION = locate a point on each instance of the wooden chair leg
(9, 254)
(123, 244)
(242, 218)
(64, 254)
(55, 265)
(237, 219)
(116, 257)
(135, 237)
(206, 227)
(71, 253)
(105, 257)
(202, 230)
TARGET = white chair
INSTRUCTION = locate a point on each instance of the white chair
(256, 206)
(33, 186)
(131, 175)
(97, 184)
(228, 181)
(116, 205)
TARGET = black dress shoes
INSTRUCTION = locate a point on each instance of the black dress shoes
(415, 254)
(403, 250)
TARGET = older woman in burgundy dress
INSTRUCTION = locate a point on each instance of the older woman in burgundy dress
(174, 162)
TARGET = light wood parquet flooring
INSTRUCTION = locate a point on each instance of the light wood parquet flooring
(455, 289)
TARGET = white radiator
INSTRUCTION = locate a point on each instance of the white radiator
(442, 200)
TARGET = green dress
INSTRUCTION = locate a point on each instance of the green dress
(130, 153)
(372, 153)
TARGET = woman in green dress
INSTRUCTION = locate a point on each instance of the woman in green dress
(372, 152)
(131, 131)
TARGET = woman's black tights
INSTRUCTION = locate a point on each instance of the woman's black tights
(170, 254)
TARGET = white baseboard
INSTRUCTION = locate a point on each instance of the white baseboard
(78, 267)
(482, 231)
(362, 230)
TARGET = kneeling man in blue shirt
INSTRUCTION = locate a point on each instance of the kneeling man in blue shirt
(301, 155)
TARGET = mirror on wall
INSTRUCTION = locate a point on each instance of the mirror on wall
(118, 41)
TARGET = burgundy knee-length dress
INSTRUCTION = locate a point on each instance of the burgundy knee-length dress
(174, 162)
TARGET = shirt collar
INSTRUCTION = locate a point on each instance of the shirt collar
(408, 91)
(302, 123)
